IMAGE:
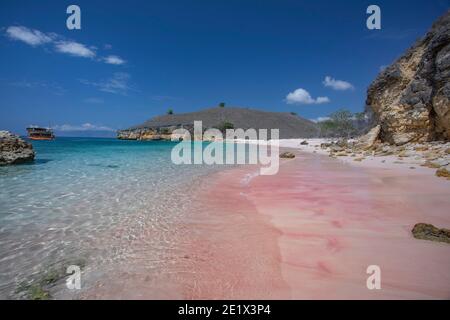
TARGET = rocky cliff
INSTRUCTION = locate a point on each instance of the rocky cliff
(14, 150)
(411, 98)
(155, 133)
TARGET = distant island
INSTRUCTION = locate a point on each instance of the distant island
(160, 127)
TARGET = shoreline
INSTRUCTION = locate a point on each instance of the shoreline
(313, 146)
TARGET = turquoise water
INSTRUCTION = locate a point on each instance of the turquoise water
(90, 200)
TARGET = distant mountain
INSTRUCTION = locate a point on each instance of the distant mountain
(290, 125)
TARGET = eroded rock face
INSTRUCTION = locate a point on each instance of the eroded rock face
(149, 134)
(411, 98)
(14, 150)
(142, 134)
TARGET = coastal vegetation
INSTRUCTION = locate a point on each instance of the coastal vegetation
(344, 123)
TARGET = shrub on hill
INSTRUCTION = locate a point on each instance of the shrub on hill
(224, 126)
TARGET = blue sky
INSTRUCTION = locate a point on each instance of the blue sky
(133, 60)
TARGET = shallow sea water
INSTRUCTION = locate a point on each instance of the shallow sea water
(110, 206)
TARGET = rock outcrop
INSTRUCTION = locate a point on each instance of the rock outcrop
(153, 134)
(411, 98)
(426, 231)
(14, 150)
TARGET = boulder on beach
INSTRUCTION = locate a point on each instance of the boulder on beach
(443, 172)
(426, 231)
(14, 150)
(287, 155)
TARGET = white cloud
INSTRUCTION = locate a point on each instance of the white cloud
(29, 36)
(36, 38)
(320, 100)
(84, 127)
(320, 119)
(114, 60)
(301, 96)
(340, 85)
(118, 83)
(74, 49)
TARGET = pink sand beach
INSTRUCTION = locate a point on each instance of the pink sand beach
(311, 231)
(308, 232)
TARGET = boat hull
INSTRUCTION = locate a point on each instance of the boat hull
(41, 138)
(40, 133)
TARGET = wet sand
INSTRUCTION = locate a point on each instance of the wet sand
(231, 250)
(311, 231)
